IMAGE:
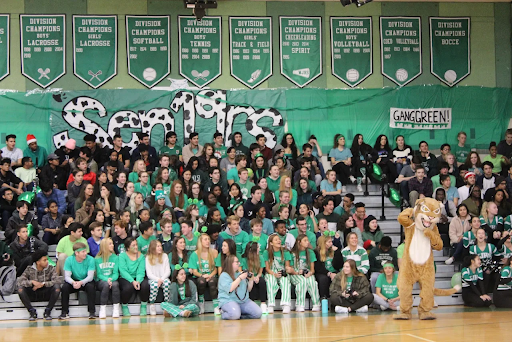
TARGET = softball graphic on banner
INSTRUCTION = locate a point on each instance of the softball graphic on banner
(400, 48)
(351, 49)
(148, 45)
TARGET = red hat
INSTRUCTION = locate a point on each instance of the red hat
(469, 174)
(31, 138)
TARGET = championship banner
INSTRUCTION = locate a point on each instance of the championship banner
(95, 48)
(250, 49)
(450, 56)
(351, 49)
(200, 45)
(400, 48)
(4, 46)
(300, 39)
(431, 118)
(148, 44)
(43, 42)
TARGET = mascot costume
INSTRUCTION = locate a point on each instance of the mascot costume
(421, 236)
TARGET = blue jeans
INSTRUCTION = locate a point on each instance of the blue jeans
(246, 310)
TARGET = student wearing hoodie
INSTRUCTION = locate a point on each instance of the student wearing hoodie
(372, 233)
(21, 216)
(39, 282)
(379, 256)
(234, 232)
(448, 210)
(7, 205)
(23, 247)
(107, 274)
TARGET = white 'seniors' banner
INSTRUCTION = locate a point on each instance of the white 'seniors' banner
(427, 118)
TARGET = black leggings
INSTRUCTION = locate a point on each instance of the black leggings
(324, 282)
(389, 169)
(340, 301)
(201, 284)
(343, 172)
(50, 294)
(259, 291)
(127, 290)
(472, 299)
(502, 298)
(491, 281)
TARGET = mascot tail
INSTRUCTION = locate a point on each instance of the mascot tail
(447, 292)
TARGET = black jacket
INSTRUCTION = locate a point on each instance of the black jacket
(15, 221)
(20, 252)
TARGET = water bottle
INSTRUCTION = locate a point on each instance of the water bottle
(325, 306)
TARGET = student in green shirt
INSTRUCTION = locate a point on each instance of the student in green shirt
(461, 151)
(277, 263)
(372, 233)
(79, 276)
(244, 183)
(228, 248)
(107, 273)
(302, 228)
(257, 234)
(274, 179)
(386, 289)
(220, 151)
(143, 185)
(232, 175)
(143, 241)
(65, 245)
(170, 147)
(235, 233)
(190, 237)
(183, 300)
(502, 296)
(132, 272)
(473, 290)
(179, 255)
(178, 199)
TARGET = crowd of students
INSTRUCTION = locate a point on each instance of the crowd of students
(235, 224)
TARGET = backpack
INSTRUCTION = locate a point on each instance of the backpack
(7, 280)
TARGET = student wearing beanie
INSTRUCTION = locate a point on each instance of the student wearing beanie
(372, 233)
(38, 154)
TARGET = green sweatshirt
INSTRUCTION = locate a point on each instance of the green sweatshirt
(143, 244)
(107, 270)
(132, 270)
(241, 238)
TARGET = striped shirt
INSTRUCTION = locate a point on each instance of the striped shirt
(506, 273)
(486, 254)
(360, 256)
(469, 277)
(468, 239)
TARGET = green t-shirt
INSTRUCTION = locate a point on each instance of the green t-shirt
(180, 262)
(143, 244)
(293, 194)
(400, 251)
(262, 242)
(190, 245)
(255, 270)
(106, 270)
(328, 264)
(388, 290)
(273, 185)
(233, 175)
(311, 236)
(175, 151)
(201, 265)
(301, 262)
(79, 270)
(145, 190)
(349, 282)
(245, 188)
(461, 153)
(66, 246)
(278, 263)
(131, 270)
(220, 152)
(495, 161)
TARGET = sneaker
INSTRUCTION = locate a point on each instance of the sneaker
(449, 261)
(286, 309)
(340, 309)
(270, 310)
(263, 308)
(166, 314)
(186, 313)
(362, 309)
(115, 310)
(126, 310)
(143, 310)
(103, 311)
(216, 311)
(299, 308)
(33, 315)
(152, 309)
(353, 179)
(359, 188)
(47, 315)
(64, 316)
(383, 308)
(92, 315)
(201, 308)
(316, 308)
(343, 189)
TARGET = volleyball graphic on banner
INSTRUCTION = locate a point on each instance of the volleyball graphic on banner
(402, 75)
(352, 75)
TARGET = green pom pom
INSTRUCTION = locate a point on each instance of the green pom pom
(177, 267)
(196, 234)
(255, 238)
(332, 233)
(190, 201)
(204, 229)
(195, 201)
(326, 233)
(185, 265)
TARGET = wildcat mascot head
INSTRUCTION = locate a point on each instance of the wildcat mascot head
(427, 212)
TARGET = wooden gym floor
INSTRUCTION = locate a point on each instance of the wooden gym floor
(453, 324)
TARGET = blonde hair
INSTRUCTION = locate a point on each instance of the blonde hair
(283, 187)
(355, 273)
(131, 204)
(323, 252)
(104, 252)
(136, 168)
(152, 256)
(232, 219)
(199, 251)
(484, 211)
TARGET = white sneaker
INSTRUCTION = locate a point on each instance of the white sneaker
(340, 309)
(286, 309)
(359, 188)
(216, 311)
(449, 261)
(270, 310)
(343, 189)
(201, 308)
(362, 309)
(353, 179)
(103, 311)
(383, 308)
(316, 308)
(299, 308)
(115, 310)
(263, 308)
(152, 309)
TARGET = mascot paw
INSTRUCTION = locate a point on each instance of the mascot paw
(426, 316)
(402, 316)
(458, 288)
